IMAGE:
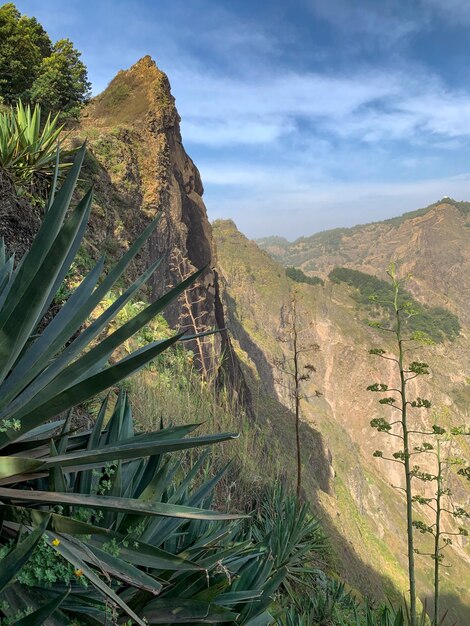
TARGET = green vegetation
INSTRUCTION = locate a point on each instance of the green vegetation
(274, 240)
(34, 69)
(329, 240)
(413, 439)
(116, 94)
(44, 376)
(378, 296)
(296, 274)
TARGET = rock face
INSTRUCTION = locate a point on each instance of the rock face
(139, 169)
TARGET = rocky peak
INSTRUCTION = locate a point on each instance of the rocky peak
(140, 168)
(139, 97)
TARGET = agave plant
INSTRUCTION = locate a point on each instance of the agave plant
(295, 538)
(42, 376)
(183, 564)
(28, 149)
(329, 603)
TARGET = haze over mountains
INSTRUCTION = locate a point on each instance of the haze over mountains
(431, 244)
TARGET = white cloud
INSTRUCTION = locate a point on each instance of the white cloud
(233, 131)
(369, 106)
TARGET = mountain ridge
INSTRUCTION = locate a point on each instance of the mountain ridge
(432, 246)
(463, 205)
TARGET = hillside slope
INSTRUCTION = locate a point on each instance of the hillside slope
(356, 497)
(433, 244)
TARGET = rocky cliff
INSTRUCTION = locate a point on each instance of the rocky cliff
(139, 168)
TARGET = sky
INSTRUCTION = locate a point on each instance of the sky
(301, 115)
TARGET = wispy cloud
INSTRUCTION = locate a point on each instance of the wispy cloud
(386, 22)
(370, 106)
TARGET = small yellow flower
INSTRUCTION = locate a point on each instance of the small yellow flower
(56, 542)
(78, 572)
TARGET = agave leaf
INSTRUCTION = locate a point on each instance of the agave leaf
(12, 563)
(58, 401)
(56, 475)
(43, 613)
(65, 267)
(54, 179)
(135, 450)
(264, 619)
(12, 465)
(20, 599)
(114, 566)
(35, 433)
(85, 570)
(84, 338)
(102, 352)
(58, 523)
(106, 503)
(135, 552)
(147, 555)
(44, 239)
(171, 432)
(85, 477)
(230, 598)
(180, 611)
(18, 325)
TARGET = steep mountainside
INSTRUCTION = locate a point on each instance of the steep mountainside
(355, 494)
(433, 244)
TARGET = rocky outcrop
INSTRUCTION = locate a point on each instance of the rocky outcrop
(140, 168)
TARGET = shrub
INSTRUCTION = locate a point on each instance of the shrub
(296, 274)
(437, 322)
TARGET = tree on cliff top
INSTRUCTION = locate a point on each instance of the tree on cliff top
(32, 68)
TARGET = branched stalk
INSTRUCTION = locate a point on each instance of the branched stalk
(295, 339)
(406, 449)
(437, 535)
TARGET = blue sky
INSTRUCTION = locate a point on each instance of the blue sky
(301, 115)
